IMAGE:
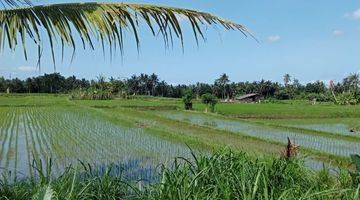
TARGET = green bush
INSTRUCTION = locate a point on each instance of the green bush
(356, 94)
(209, 100)
(91, 94)
(187, 99)
(347, 98)
(319, 97)
(283, 95)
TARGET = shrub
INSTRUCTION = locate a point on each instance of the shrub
(91, 94)
(319, 97)
(209, 100)
(347, 98)
(283, 95)
(356, 94)
(187, 99)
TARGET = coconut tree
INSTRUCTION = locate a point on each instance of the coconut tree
(287, 79)
(222, 82)
(353, 81)
(106, 23)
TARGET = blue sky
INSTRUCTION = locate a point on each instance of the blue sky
(311, 40)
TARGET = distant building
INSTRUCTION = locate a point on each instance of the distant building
(249, 98)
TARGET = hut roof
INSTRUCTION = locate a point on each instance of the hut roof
(247, 96)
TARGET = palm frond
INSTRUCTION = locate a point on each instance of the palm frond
(104, 22)
(14, 3)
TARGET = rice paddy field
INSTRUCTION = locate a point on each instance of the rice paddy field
(140, 134)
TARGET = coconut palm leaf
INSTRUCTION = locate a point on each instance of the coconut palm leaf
(14, 3)
(104, 22)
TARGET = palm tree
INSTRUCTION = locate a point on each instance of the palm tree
(223, 81)
(354, 80)
(102, 22)
(287, 79)
(154, 80)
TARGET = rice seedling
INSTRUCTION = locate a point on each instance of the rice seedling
(341, 129)
(67, 136)
(332, 146)
(79, 152)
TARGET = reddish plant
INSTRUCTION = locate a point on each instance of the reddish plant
(291, 150)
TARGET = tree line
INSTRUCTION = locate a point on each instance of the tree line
(151, 85)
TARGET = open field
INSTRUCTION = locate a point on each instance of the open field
(144, 132)
(287, 110)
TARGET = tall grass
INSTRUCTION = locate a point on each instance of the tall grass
(223, 175)
(229, 175)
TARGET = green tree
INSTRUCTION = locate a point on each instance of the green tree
(316, 87)
(2, 84)
(210, 101)
(352, 82)
(287, 79)
(187, 99)
(222, 83)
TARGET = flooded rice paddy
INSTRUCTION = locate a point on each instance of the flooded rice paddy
(37, 134)
(71, 136)
(328, 145)
(341, 129)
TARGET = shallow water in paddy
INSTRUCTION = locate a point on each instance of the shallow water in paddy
(68, 137)
(341, 129)
(324, 144)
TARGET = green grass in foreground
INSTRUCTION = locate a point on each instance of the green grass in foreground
(224, 175)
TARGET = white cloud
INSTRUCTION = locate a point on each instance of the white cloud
(353, 15)
(338, 33)
(273, 38)
(27, 69)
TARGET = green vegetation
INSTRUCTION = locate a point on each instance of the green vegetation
(91, 94)
(56, 147)
(106, 23)
(210, 101)
(224, 175)
(139, 133)
(343, 93)
(347, 98)
(187, 99)
(286, 110)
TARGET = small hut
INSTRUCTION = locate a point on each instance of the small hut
(249, 98)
